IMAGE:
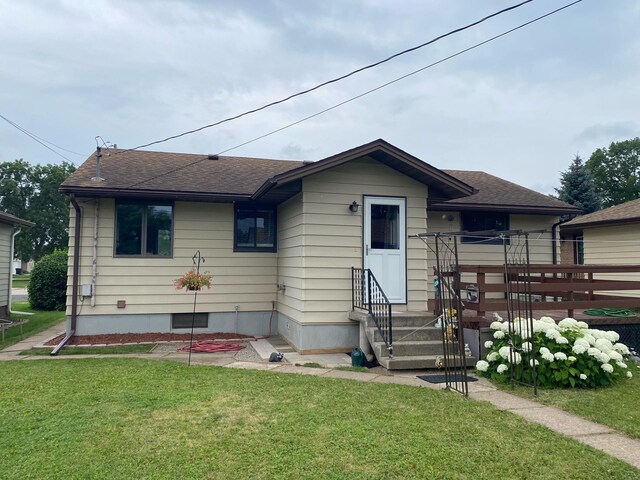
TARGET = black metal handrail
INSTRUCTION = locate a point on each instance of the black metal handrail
(367, 294)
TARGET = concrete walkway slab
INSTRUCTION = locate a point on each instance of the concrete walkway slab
(359, 376)
(413, 382)
(252, 366)
(301, 370)
(263, 348)
(616, 445)
(561, 421)
(325, 359)
(503, 400)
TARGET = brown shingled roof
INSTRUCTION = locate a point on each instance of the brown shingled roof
(13, 220)
(144, 172)
(497, 194)
(628, 212)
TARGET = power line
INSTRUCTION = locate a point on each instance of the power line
(41, 141)
(380, 87)
(357, 96)
(334, 80)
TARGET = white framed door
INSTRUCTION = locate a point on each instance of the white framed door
(384, 244)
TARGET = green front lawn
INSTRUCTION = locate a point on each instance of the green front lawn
(36, 323)
(108, 350)
(616, 406)
(130, 418)
(21, 281)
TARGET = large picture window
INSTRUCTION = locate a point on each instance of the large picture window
(144, 229)
(484, 222)
(255, 229)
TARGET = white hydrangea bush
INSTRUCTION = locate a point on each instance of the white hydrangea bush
(566, 354)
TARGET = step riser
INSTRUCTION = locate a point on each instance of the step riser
(412, 321)
(406, 364)
(400, 350)
(429, 334)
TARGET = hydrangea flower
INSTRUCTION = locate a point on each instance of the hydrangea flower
(526, 347)
(612, 336)
(578, 349)
(582, 325)
(548, 320)
(560, 340)
(498, 334)
(504, 351)
(560, 356)
(569, 323)
(552, 334)
(496, 325)
(492, 357)
(482, 366)
(583, 376)
(604, 345)
(502, 368)
(517, 358)
(571, 358)
(615, 356)
(622, 364)
(534, 362)
(629, 375)
(583, 342)
(621, 348)
(548, 356)
(607, 367)
(488, 344)
(544, 350)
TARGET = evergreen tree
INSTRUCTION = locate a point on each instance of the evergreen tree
(577, 188)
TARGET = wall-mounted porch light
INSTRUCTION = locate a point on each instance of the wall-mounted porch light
(353, 208)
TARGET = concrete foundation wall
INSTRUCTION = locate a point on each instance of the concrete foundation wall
(319, 337)
(246, 323)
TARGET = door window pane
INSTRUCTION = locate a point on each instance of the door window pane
(385, 227)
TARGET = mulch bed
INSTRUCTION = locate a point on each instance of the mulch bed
(118, 338)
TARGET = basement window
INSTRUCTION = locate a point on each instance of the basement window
(184, 320)
(255, 229)
(484, 222)
(144, 229)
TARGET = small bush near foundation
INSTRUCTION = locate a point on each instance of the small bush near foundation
(48, 284)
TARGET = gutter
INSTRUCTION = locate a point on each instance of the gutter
(75, 278)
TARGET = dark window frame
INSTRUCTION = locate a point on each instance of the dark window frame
(255, 208)
(143, 240)
(578, 249)
(181, 321)
(483, 241)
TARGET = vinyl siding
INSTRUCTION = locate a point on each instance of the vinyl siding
(6, 258)
(247, 280)
(333, 235)
(618, 245)
(540, 249)
(291, 258)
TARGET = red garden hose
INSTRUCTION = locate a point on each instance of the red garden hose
(211, 346)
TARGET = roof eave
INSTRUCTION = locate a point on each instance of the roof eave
(601, 223)
(462, 189)
(527, 209)
(13, 220)
(164, 194)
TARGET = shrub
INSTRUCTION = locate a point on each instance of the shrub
(48, 283)
(566, 354)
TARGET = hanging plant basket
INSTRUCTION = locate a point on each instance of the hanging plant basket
(193, 281)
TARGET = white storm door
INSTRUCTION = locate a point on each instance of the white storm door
(385, 236)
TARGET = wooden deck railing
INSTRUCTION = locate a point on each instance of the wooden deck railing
(559, 287)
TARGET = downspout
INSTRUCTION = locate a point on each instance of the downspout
(16, 231)
(75, 278)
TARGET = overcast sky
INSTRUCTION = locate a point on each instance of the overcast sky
(137, 71)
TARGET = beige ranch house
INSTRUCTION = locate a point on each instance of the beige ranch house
(279, 237)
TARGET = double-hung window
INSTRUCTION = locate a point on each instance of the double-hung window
(255, 229)
(144, 229)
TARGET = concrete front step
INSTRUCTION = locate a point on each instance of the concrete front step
(408, 333)
(415, 362)
(402, 349)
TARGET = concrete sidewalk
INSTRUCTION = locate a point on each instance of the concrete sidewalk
(598, 436)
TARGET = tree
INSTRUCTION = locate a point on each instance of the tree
(616, 172)
(577, 188)
(31, 192)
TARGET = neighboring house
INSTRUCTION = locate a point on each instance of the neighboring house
(279, 238)
(9, 227)
(609, 236)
